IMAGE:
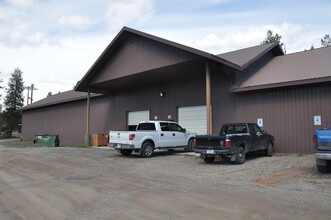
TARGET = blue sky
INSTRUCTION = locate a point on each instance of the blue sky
(55, 42)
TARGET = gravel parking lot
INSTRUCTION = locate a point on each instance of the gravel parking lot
(96, 183)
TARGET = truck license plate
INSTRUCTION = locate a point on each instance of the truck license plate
(210, 152)
(118, 145)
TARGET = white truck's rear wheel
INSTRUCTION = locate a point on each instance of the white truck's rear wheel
(147, 149)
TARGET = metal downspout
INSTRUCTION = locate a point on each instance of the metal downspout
(87, 135)
(208, 100)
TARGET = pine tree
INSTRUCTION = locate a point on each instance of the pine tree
(13, 102)
(326, 41)
(272, 38)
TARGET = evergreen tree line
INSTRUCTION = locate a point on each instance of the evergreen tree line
(271, 38)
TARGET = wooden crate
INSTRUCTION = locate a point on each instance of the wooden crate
(99, 139)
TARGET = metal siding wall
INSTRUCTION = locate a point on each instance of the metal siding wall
(287, 114)
(31, 121)
(100, 114)
(223, 102)
(68, 120)
(178, 94)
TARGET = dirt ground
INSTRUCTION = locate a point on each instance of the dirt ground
(93, 183)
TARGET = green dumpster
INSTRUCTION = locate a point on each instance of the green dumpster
(47, 140)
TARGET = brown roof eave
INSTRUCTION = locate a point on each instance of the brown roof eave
(62, 101)
(275, 46)
(238, 89)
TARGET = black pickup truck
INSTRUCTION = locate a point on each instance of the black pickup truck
(234, 141)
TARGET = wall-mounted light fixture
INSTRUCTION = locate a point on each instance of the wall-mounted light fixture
(162, 94)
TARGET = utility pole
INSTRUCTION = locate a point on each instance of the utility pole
(30, 96)
(32, 88)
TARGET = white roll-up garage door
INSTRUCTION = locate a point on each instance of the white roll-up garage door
(137, 116)
(193, 118)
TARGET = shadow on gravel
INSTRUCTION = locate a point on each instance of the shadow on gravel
(227, 161)
(157, 153)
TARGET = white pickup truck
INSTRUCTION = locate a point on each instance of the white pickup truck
(151, 135)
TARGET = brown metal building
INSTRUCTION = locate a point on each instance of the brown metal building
(140, 76)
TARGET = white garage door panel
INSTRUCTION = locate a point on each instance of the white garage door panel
(137, 116)
(193, 118)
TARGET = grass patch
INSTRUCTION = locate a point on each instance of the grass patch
(23, 144)
(17, 143)
(73, 145)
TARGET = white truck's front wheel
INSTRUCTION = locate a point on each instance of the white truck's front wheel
(190, 145)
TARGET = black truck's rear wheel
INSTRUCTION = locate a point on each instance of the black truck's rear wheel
(322, 168)
(240, 155)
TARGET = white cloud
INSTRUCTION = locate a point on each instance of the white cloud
(120, 13)
(3, 16)
(35, 37)
(211, 42)
(21, 3)
(19, 33)
(52, 67)
(16, 28)
(75, 22)
(224, 41)
(220, 1)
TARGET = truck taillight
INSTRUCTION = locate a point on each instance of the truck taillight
(314, 140)
(194, 143)
(227, 143)
(131, 137)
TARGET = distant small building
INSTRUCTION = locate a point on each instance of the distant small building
(141, 77)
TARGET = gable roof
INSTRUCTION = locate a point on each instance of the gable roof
(59, 98)
(123, 35)
(247, 56)
(300, 68)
